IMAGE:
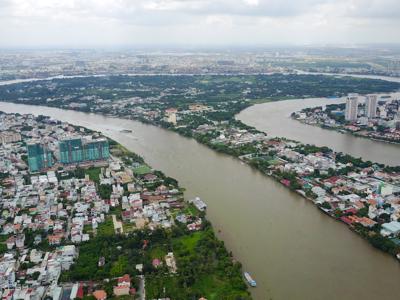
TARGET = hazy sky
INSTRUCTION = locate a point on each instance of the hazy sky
(87, 23)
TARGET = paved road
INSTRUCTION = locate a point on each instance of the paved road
(142, 291)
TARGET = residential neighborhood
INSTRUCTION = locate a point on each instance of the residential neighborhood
(63, 187)
(363, 195)
(377, 119)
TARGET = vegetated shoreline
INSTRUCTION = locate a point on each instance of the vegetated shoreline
(357, 228)
(231, 151)
(233, 284)
(346, 132)
(207, 229)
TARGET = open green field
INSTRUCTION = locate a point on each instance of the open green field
(94, 173)
(142, 170)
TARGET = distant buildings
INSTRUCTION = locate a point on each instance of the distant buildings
(351, 112)
(39, 156)
(370, 106)
(397, 120)
(380, 120)
(171, 115)
(198, 107)
(351, 107)
(76, 150)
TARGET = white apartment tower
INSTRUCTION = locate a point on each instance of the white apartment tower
(370, 106)
(351, 107)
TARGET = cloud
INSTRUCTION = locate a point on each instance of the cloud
(125, 9)
(199, 21)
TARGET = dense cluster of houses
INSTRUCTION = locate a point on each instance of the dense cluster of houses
(46, 215)
(40, 209)
(358, 196)
(367, 196)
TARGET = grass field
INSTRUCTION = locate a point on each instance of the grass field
(156, 283)
(142, 170)
(106, 228)
(189, 242)
(93, 174)
(158, 252)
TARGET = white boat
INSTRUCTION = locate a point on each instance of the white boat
(249, 279)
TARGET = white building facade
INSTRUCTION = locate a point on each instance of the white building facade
(371, 102)
(351, 107)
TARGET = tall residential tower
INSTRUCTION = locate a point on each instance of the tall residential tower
(351, 107)
(370, 106)
(39, 156)
(76, 150)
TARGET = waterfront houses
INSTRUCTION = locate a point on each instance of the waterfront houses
(52, 213)
(379, 120)
(363, 195)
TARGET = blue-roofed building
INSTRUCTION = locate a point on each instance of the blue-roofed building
(392, 228)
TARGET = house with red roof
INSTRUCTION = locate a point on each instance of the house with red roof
(55, 239)
(285, 182)
(100, 294)
(123, 287)
(346, 220)
(79, 293)
(124, 280)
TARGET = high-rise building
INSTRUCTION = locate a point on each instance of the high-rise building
(39, 157)
(71, 151)
(351, 107)
(96, 149)
(397, 120)
(76, 150)
(370, 106)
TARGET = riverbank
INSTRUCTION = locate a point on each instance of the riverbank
(223, 138)
(343, 131)
(283, 157)
(382, 127)
(274, 118)
(126, 219)
(218, 129)
(310, 184)
(241, 201)
(188, 244)
(239, 194)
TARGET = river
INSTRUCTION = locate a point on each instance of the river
(274, 119)
(291, 248)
